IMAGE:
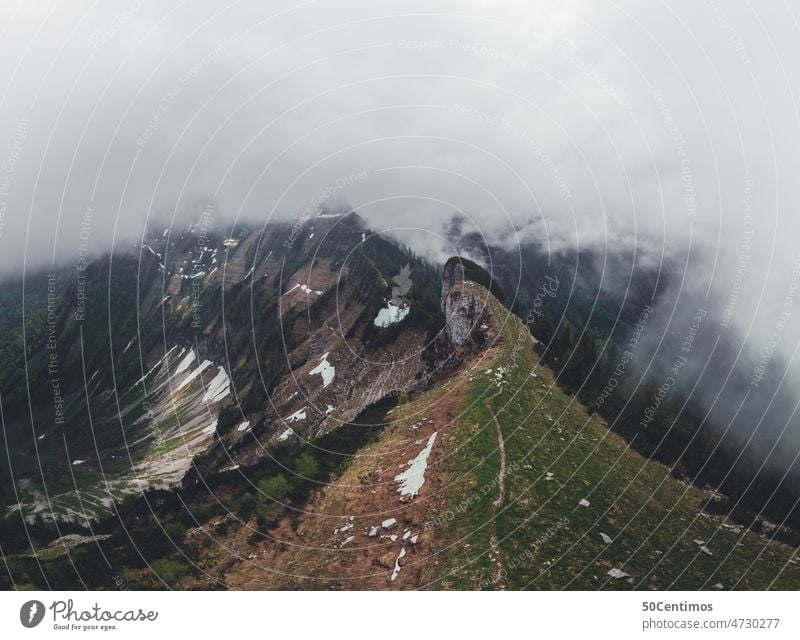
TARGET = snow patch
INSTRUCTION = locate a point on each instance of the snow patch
(392, 314)
(325, 369)
(305, 289)
(219, 387)
(412, 479)
(212, 428)
(183, 365)
(150, 249)
(205, 364)
(155, 366)
(400, 556)
(140, 380)
(298, 415)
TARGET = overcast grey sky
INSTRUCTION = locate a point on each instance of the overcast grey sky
(656, 124)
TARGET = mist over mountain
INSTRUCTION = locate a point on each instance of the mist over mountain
(624, 173)
(245, 391)
(541, 124)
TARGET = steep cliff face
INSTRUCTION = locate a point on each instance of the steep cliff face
(463, 332)
(465, 313)
(452, 275)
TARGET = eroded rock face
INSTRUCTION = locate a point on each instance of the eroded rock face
(452, 276)
(464, 310)
(464, 307)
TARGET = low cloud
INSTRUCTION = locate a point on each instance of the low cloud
(669, 129)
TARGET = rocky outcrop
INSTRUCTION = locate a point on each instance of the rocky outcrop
(467, 321)
(464, 312)
(463, 303)
(452, 275)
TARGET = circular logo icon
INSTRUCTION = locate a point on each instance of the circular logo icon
(31, 613)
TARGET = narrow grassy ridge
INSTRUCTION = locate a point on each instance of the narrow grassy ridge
(579, 502)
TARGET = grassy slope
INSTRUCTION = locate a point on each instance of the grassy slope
(547, 540)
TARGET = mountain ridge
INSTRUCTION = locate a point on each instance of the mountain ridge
(452, 457)
(472, 523)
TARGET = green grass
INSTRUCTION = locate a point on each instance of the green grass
(547, 540)
(471, 495)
